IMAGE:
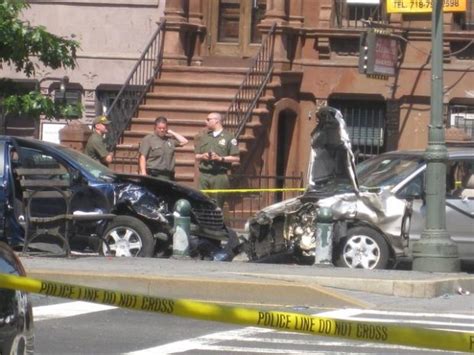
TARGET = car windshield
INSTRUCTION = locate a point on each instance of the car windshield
(387, 170)
(88, 164)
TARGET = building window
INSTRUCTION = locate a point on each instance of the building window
(70, 96)
(464, 21)
(106, 96)
(462, 50)
(353, 13)
(258, 12)
(365, 120)
(19, 124)
(462, 117)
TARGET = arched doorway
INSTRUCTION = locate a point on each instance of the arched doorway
(284, 139)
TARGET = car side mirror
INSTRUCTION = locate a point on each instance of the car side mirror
(415, 195)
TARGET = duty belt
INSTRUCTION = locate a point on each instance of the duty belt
(156, 172)
(213, 172)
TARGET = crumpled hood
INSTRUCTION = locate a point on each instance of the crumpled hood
(279, 208)
(142, 201)
(170, 187)
(154, 198)
(332, 163)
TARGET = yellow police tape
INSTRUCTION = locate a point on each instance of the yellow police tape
(252, 190)
(296, 322)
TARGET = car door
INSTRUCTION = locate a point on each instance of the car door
(460, 206)
(3, 191)
(32, 158)
(413, 190)
(459, 210)
(10, 203)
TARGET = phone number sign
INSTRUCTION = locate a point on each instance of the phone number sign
(416, 6)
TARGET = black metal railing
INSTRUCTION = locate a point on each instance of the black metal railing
(133, 91)
(258, 192)
(251, 89)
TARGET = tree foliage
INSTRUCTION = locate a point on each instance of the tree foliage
(21, 46)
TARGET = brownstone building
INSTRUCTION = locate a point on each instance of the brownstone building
(314, 48)
(268, 66)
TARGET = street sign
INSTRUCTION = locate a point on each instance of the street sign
(420, 6)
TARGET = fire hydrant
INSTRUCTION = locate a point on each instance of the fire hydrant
(182, 228)
(323, 252)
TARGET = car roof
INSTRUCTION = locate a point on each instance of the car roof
(453, 152)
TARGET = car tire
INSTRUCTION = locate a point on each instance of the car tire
(363, 248)
(127, 236)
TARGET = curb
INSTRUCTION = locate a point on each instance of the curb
(273, 293)
(239, 282)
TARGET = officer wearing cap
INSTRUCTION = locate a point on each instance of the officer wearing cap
(95, 147)
(215, 151)
(157, 151)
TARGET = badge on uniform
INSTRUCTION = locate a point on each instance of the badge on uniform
(222, 141)
(169, 144)
(233, 141)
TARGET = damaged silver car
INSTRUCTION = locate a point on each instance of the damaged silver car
(378, 208)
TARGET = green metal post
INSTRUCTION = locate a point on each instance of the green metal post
(182, 227)
(435, 251)
(323, 252)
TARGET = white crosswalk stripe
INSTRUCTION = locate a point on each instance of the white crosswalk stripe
(268, 341)
(69, 309)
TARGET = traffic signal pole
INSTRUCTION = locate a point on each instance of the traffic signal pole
(435, 251)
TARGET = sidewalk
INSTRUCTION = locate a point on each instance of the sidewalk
(245, 283)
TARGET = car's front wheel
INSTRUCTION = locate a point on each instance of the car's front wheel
(363, 248)
(127, 236)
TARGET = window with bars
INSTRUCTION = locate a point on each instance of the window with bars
(352, 13)
(365, 120)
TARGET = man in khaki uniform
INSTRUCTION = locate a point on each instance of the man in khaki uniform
(215, 151)
(95, 147)
(157, 151)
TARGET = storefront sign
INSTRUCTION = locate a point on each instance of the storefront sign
(386, 55)
(419, 6)
(378, 53)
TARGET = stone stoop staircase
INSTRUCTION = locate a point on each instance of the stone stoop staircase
(185, 95)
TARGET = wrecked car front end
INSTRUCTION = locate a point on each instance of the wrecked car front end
(359, 214)
(154, 200)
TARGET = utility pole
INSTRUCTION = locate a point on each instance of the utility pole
(435, 251)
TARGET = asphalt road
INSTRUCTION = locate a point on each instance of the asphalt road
(64, 327)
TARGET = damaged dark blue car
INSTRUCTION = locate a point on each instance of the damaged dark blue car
(142, 206)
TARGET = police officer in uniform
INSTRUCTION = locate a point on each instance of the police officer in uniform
(215, 151)
(95, 147)
(157, 151)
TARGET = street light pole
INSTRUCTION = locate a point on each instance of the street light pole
(435, 251)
